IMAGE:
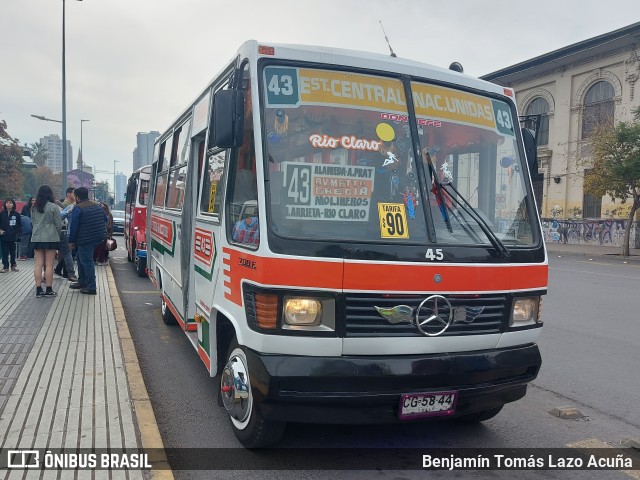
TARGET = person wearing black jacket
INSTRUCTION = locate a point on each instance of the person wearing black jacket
(26, 210)
(10, 233)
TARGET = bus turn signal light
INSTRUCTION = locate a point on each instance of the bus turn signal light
(266, 310)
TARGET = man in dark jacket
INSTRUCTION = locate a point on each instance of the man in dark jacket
(10, 232)
(88, 227)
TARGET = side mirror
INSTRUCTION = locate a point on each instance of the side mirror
(530, 150)
(228, 119)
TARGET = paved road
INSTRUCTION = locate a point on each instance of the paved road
(590, 355)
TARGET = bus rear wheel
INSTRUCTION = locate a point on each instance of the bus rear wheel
(251, 429)
(167, 316)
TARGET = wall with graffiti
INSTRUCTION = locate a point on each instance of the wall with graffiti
(604, 232)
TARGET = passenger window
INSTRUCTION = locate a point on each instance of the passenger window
(178, 171)
(161, 188)
(161, 176)
(177, 183)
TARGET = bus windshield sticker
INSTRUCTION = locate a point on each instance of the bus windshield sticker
(327, 192)
(448, 104)
(503, 118)
(348, 142)
(393, 220)
(291, 87)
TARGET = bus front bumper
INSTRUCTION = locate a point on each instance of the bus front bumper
(367, 389)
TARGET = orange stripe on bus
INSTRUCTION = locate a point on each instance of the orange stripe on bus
(360, 276)
(278, 271)
(387, 277)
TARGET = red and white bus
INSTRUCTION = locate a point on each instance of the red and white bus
(135, 219)
(348, 237)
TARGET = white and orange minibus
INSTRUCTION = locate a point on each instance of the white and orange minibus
(348, 237)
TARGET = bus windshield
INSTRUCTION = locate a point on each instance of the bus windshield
(339, 150)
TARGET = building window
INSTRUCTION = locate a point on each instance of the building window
(598, 107)
(591, 206)
(540, 106)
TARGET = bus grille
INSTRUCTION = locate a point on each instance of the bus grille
(363, 320)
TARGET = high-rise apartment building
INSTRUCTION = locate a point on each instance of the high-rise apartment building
(121, 186)
(53, 144)
(143, 153)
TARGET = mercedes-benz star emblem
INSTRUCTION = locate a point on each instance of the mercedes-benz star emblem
(433, 316)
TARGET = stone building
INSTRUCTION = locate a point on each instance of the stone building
(576, 88)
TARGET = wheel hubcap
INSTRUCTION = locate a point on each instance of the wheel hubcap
(234, 388)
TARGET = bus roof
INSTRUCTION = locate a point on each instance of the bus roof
(349, 59)
(368, 60)
(143, 171)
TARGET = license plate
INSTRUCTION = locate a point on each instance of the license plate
(415, 405)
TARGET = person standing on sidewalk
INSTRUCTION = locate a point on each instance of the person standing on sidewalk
(10, 231)
(70, 198)
(45, 236)
(101, 254)
(65, 267)
(88, 228)
(26, 251)
(26, 210)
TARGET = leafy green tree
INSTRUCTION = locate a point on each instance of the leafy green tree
(11, 176)
(616, 167)
(39, 152)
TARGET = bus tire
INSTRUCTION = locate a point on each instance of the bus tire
(167, 316)
(251, 429)
(480, 416)
(141, 266)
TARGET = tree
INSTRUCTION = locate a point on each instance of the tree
(39, 152)
(11, 176)
(616, 167)
(35, 177)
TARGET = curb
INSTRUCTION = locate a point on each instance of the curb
(146, 419)
(612, 256)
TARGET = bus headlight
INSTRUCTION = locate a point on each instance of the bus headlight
(525, 311)
(302, 312)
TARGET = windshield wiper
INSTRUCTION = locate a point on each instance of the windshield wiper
(493, 238)
(437, 191)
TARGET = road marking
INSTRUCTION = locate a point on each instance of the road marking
(595, 443)
(146, 292)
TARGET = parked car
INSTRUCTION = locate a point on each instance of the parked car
(118, 221)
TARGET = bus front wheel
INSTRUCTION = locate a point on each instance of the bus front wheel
(247, 423)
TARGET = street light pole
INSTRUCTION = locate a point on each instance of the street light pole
(82, 153)
(64, 107)
(114, 182)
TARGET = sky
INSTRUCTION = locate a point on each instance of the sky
(134, 65)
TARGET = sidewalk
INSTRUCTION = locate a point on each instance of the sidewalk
(592, 251)
(69, 375)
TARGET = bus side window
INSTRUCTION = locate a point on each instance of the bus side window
(161, 177)
(242, 200)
